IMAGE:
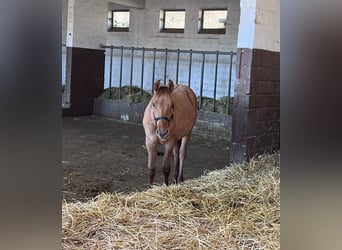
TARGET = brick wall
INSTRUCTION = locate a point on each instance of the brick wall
(256, 114)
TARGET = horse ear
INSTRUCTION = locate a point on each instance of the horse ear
(171, 85)
(156, 85)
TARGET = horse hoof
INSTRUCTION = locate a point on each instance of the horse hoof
(151, 185)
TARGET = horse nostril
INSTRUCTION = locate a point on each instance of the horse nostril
(163, 134)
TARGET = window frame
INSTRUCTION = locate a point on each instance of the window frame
(162, 21)
(111, 28)
(202, 30)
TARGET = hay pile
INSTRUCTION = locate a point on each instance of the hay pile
(221, 105)
(137, 96)
(234, 208)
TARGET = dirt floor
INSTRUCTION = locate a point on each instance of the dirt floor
(106, 155)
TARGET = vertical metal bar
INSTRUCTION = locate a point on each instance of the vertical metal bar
(121, 62)
(110, 72)
(68, 75)
(153, 68)
(142, 71)
(202, 76)
(131, 77)
(165, 66)
(190, 64)
(178, 52)
(215, 81)
(230, 80)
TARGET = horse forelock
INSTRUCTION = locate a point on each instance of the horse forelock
(162, 92)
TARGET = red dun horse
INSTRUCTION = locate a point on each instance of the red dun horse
(168, 119)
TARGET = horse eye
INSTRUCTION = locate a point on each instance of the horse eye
(153, 105)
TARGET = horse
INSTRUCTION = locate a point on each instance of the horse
(169, 119)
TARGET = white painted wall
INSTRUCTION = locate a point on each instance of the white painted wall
(87, 24)
(144, 32)
(64, 29)
(64, 19)
(86, 27)
(260, 25)
(183, 74)
(267, 25)
(144, 29)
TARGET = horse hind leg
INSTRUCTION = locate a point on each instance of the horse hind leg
(176, 160)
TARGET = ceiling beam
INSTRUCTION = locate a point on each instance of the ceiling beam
(140, 4)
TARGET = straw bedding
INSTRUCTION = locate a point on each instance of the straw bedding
(234, 208)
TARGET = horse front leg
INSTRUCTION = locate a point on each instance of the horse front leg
(152, 156)
(182, 156)
(166, 162)
(176, 160)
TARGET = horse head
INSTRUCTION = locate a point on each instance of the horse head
(162, 108)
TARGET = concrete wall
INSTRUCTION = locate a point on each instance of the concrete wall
(267, 25)
(144, 32)
(64, 29)
(64, 20)
(85, 31)
(144, 29)
(144, 24)
(87, 24)
(260, 25)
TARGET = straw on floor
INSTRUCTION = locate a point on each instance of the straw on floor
(234, 208)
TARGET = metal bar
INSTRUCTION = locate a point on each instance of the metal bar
(190, 64)
(230, 81)
(215, 81)
(121, 62)
(131, 77)
(178, 52)
(142, 72)
(165, 66)
(202, 76)
(110, 72)
(153, 67)
(175, 50)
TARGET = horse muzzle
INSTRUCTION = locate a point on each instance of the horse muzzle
(162, 135)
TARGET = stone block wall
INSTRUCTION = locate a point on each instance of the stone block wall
(256, 113)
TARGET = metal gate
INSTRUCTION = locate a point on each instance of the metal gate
(209, 73)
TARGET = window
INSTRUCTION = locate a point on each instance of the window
(118, 20)
(212, 21)
(172, 21)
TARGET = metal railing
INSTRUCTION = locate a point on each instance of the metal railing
(203, 60)
(65, 83)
